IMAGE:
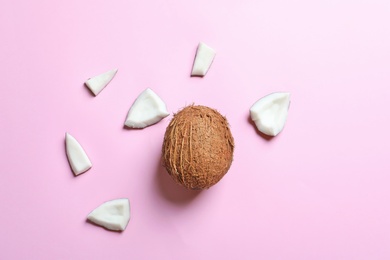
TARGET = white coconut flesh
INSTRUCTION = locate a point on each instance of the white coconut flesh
(203, 60)
(98, 83)
(113, 214)
(270, 113)
(146, 110)
(78, 159)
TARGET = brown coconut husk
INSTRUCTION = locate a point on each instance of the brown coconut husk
(198, 147)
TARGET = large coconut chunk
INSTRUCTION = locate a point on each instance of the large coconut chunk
(113, 214)
(270, 113)
(146, 110)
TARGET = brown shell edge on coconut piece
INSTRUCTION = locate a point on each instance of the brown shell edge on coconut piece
(198, 147)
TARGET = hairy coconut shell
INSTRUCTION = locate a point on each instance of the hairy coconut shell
(198, 147)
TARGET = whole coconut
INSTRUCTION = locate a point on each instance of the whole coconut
(198, 147)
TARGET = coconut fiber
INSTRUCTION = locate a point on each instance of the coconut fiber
(198, 147)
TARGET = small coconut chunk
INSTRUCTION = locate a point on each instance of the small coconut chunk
(77, 157)
(146, 110)
(113, 214)
(98, 83)
(270, 113)
(203, 59)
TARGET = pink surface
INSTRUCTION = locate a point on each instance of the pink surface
(319, 190)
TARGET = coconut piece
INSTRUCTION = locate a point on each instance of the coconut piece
(98, 83)
(198, 147)
(270, 113)
(203, 59)
(146, 110)
(78, 159)
(113, 214)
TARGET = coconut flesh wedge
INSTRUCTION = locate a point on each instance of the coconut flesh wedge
(270, 113)
(203, 59)
(98, 83)
(146, 110)
(113, 214)
(78, 159)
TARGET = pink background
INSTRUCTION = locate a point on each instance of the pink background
(319, 190)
